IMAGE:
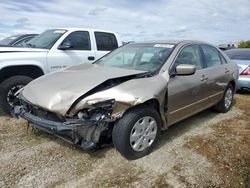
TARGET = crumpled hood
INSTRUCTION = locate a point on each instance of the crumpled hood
(57, 91)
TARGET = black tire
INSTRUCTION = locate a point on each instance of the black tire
(123, 129)
(6, 86)
(221, 105)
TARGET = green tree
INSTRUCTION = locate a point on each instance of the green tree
(244, 44)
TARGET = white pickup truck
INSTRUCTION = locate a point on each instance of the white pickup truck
(50, 51)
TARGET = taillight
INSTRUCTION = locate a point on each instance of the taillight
(246, 72)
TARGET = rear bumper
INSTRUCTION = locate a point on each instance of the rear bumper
(243, 83)
(79, 132)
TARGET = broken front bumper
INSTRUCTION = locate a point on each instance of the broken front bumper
(85, 133)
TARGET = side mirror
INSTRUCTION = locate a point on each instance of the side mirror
(65, 46)
(185, 69)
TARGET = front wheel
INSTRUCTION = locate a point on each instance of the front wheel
(8, 88)
(226, 102)
(137, 132)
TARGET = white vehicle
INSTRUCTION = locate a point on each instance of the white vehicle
(50, 51)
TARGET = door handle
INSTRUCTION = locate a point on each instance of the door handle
(226, 71)
(91, 58)
(204, 78)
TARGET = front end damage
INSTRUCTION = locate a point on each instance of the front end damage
(88, 129)
(85, 113)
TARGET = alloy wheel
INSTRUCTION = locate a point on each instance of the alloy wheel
(228, 98)
(143, 133)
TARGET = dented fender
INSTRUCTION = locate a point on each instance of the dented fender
(128, 95)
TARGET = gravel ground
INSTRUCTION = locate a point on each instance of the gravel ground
(206, 150)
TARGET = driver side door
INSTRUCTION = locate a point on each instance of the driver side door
(187, 93)
(81, 51)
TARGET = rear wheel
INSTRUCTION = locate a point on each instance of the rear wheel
(225, 103)
(8, 88)
(137, 132)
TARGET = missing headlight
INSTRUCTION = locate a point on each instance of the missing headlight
(102, 104)
(98, 111)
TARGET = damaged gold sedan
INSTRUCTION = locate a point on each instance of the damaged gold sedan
(130, 95)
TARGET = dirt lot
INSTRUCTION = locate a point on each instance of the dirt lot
(207, 150)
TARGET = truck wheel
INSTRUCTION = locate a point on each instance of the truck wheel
(8, 88)
(136, 133)
(225, 103)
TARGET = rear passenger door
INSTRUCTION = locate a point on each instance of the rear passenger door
(187, 94)
(218, 73)
(105, 42)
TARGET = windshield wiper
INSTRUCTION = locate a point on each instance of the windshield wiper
(30, 45)
(145, 74)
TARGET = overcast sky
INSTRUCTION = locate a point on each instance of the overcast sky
(215, 21)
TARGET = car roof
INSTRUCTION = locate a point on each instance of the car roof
(22, 35)
(175, 42)
(80, 28)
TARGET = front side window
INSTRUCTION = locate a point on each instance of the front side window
(190, 55)
(212, 56)
(46, 39)
(79, 40)
(105, 41)
(145, 57)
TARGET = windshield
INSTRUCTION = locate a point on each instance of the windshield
(145, 57)
(7, 40)
(46, 39)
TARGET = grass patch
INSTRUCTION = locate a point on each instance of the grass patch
(228, 146)
(161, 182)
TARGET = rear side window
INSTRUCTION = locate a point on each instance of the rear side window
(105, 41)
(79, 40)
(212, 56)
